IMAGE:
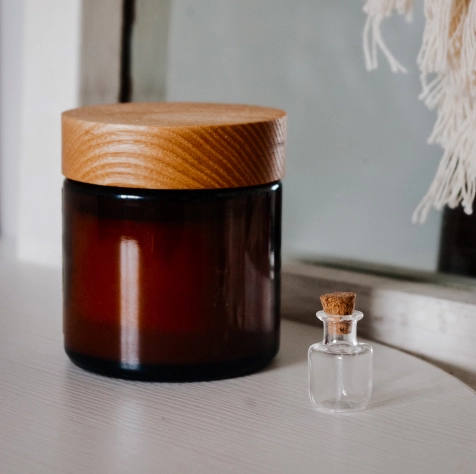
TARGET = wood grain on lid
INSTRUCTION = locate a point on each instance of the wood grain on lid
(168, 145)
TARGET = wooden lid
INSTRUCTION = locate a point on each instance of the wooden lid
(168, 145)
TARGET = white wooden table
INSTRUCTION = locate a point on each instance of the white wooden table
(56, 418)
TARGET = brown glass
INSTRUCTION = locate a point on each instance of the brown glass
(457, 253)
(171, 285)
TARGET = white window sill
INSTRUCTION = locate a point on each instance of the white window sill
(433, 317)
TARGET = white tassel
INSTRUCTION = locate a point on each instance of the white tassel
(377, 11)
(449, 51)
(448, 55)
(455, 180)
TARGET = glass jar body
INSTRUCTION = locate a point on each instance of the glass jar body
(171, 285)
(340, 376)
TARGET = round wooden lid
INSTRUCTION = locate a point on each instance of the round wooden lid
(168, 145)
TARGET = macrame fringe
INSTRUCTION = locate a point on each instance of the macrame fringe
(377, 11)
(448, 56)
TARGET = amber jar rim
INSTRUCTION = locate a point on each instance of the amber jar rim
(141, 194)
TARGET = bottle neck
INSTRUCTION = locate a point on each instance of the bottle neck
(340, 329)
(340, 332)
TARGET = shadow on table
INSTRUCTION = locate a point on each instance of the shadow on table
(406, 389)
(294, 344)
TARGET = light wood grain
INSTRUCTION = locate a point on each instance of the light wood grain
(174, 145)
(57, 418)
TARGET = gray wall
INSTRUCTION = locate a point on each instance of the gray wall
(358, 162)
(11, 44)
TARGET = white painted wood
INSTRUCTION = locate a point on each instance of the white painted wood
(150, 39)
(56, 418)
(55, 55)
(49, 85)
(435, 320)
(101, 33)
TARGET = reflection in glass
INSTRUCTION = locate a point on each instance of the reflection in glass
(129, 301)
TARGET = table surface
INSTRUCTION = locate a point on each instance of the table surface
(55, 417)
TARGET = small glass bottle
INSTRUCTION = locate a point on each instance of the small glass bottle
(340, 368)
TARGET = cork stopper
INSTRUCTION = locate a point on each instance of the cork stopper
(339, 304)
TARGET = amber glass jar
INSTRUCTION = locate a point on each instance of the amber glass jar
(172, 233)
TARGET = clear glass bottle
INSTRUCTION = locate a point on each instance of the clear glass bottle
(340, 368)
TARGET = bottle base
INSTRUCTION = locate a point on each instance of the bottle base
(172, 373)
(341, 406)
